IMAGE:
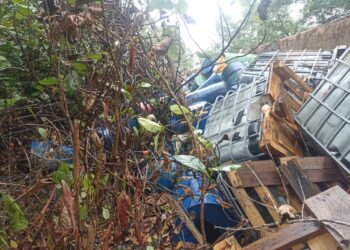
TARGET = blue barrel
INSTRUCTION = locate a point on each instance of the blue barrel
(214, 213)
(231, 73)
(177, 124)
(207, 67)
(214, 78)
(207, 94)
(202, 109)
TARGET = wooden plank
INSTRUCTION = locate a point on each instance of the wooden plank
(332, 204)
(323, 242)
(302, 186)
(316, 169)
(268, 199)
(286, 73)
(247, 205)
(287, 237)
(227, 244)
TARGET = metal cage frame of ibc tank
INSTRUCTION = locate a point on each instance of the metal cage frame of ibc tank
(323, 102)
(220, 134)
(254, 68)
(259, 82)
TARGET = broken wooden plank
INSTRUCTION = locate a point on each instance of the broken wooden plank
(247, 205)
(229, 243)
(287, 73)
(297, 179)
(269, 200)
(288, 237)
(333, 204)
(317, 169)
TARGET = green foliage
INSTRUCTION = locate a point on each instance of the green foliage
(176, 109)
(149, 125)
(63, 173)
(191, 162)
(43, 133)
(279, 24)
(83, 212)
(105, 213)
(3, 240)
(48, 81)
(321, 11)
(17, 218)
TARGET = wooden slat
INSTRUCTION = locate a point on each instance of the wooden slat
(287, 237)
(333, 204)
(323, 242)
(316, 169)
(228, 244)
(286, 73)
(247, 205)
(293, 173)
(268, 199)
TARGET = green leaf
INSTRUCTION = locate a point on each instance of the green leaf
(83, 212)
(149, 125)
(94, 56)
(105, 213)
(156, 141)
(71, 81)
(207, 145)
(48, 81)
(63, 173)
(42, 132)
(104, 179)
(3, 62)
(12, 101)
(127, 94)
(89, 189)
(176, 109)
(191, 162)
(3, 240)
(71, 2)
(226, 168)
(17, 219)
(23, 11)
(145, 85)
(79, 67)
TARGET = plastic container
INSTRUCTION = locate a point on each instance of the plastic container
(44, 150)
(324, 118)
(207, 67)
(231, 73)
(214, 213)
(214, 78)
(234, 122)
(207, 94)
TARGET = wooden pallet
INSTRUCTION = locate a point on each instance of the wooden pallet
(264, 182)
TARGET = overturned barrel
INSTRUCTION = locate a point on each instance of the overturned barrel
(231, 73)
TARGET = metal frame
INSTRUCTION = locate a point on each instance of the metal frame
(295, 59)
(332, 111)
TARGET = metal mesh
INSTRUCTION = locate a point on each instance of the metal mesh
(234, 121)
(325, 116)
